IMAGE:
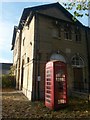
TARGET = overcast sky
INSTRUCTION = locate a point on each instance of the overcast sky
(10, 13)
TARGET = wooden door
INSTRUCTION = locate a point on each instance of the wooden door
(78, 79)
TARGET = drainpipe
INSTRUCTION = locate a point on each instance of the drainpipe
(38, 58)
(39, 78)
(87, 43)
(35, 62)
(19, 55)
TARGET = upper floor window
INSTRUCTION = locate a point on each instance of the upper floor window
(28, 59)
(77, 35)
(67, 32)
(56, 32)
(23, 41)
(23, 61)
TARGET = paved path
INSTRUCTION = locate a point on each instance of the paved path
(17, 91)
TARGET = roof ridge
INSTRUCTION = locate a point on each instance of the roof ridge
(44, 5)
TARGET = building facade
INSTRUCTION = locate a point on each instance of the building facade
(5, 68)
(47, 33)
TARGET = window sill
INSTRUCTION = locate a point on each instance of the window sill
(59, 38)
(68, 39)
(78, 42)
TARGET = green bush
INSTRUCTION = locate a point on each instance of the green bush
(8, 81)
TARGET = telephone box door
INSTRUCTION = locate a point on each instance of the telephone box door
(60, 82)
(55, 84)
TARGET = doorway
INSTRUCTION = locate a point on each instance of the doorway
(78, 79)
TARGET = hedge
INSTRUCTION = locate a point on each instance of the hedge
(8, 81)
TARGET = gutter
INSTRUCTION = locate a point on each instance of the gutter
(35, 60)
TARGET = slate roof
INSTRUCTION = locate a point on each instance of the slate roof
(14, 36)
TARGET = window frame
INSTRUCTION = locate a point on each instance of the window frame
(67, 32)
(23, 41)
(56, 28)
(77, 61)
(77, 35)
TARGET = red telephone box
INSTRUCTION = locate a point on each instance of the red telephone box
(55, 84)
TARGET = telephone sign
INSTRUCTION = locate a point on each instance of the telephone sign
(55, 84)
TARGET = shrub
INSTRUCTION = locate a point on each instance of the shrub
(8, 81)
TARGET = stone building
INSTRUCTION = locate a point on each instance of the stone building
(45, 33)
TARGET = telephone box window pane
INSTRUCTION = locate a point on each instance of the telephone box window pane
(48, 96)
(48, 83)
(48, 73)
(48, 87)
(48, 79)
(48, 91)
(48, 100)
(60, 86)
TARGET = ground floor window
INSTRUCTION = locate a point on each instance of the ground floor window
(77, 61)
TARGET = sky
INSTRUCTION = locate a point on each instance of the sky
(10, 14)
